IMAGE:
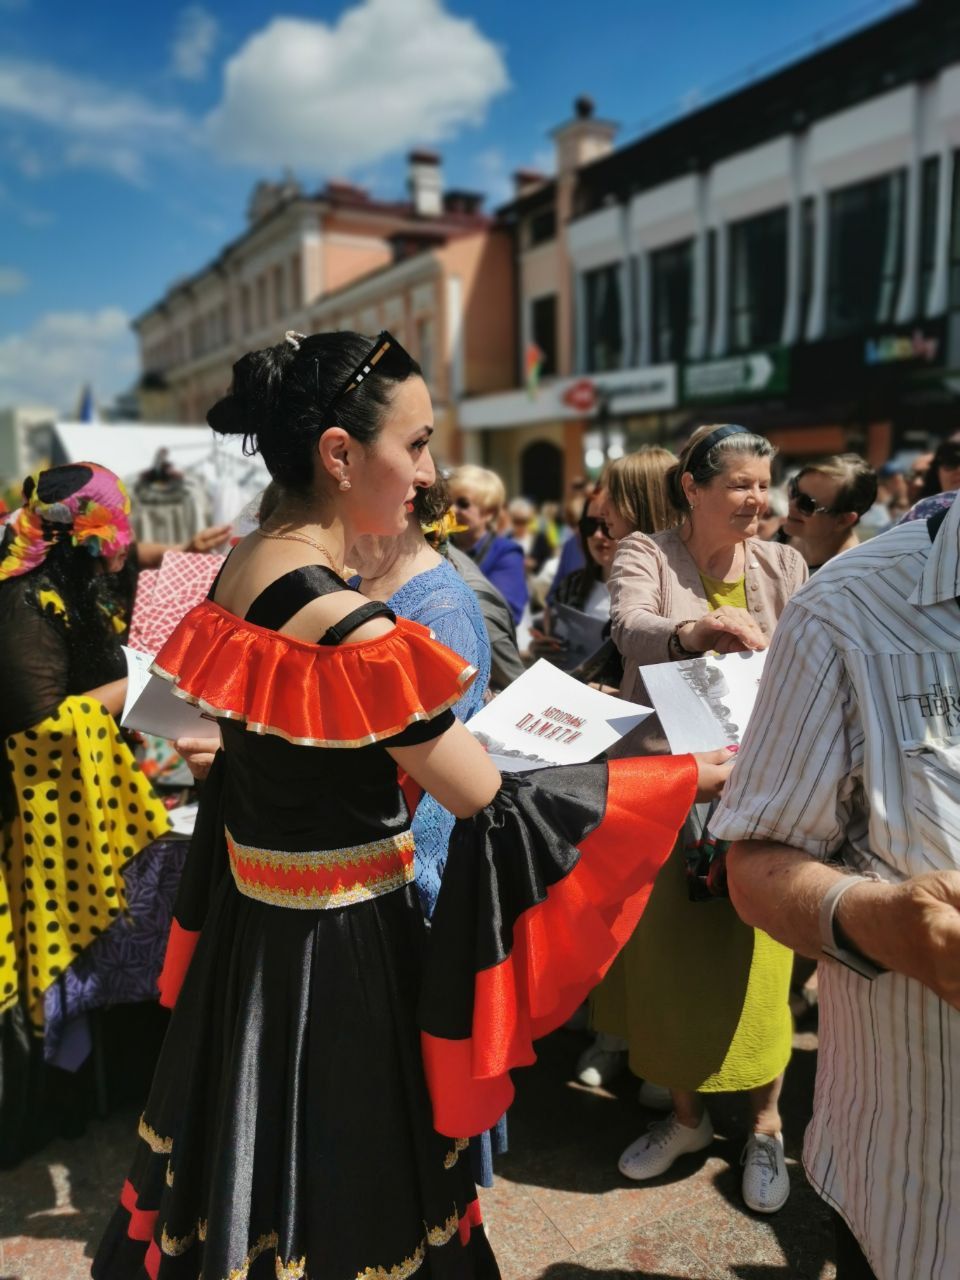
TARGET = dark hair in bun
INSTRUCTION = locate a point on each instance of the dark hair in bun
(283, 398)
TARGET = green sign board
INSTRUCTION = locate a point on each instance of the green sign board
(756, 373)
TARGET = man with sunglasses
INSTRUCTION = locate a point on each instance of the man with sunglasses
(827, 500)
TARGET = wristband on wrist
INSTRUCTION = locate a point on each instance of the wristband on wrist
(674, 643)
(831, 943)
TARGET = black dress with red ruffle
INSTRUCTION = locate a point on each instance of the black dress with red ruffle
(291, 1131)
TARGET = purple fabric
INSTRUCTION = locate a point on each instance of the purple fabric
(121, 966)
(928, 507)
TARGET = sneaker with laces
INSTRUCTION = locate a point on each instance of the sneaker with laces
(766, 1182)
(601, 1061)
(663, 1142)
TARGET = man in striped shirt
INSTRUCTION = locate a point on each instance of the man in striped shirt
(845, 806)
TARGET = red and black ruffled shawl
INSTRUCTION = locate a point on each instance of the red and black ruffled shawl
(540, 892)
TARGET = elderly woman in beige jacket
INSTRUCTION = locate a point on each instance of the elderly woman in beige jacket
(706, 996)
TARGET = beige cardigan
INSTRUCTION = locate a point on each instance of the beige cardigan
(654, 584)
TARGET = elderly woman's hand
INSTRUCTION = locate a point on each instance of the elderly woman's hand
(713, 770)
(726, 630)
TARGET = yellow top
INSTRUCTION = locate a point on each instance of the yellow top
(720, 593)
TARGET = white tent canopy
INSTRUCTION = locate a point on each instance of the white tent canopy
(129, 448)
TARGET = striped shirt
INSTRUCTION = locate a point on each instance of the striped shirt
(853, 755)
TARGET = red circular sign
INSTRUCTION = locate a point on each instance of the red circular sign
(581, 395)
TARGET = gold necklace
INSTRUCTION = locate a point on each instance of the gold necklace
(308, 541)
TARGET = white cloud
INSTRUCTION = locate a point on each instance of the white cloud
(80, 105)
(120, 161)
(194, 42)
(389, 74)
(12, 280)
(63, 350)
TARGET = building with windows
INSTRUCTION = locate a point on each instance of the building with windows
(435, 270)
(787, 257)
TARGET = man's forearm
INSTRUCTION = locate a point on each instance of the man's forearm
(778, 889)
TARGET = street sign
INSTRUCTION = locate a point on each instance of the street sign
(581, 395)
(756, 373)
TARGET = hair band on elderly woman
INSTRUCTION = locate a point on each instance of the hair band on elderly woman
(708, 442)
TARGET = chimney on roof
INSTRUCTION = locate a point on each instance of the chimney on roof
(525, 180)
(425, 183)
(584, 138)
(463, 201)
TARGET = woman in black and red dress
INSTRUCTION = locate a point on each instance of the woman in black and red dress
(324, 1067)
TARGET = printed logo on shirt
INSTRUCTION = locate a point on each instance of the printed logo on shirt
(941, 703)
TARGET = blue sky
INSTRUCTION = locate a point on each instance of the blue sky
(131, 135)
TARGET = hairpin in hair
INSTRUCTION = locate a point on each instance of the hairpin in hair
(294, 338)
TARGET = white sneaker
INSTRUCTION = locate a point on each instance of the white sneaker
(601, 1061)
(766, 1183)
(663, 1142)
(654, 1097)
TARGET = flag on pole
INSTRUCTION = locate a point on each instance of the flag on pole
(533, 363)
(87, 406)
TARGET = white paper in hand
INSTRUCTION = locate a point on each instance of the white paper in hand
(545, 717)
(151, 706)
(705, 703)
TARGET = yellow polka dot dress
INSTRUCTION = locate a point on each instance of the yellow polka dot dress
(82, 810)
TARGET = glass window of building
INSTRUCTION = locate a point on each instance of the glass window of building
(296, 287)
(261, 300)
(865, 254)
(425, 348)
(929, 194)
(541, 227)
(603, 319)
(758, 280)
(808, 232)
(279, 294)
(245, 316)
(672, 302)
(543, 331)
(954, 293)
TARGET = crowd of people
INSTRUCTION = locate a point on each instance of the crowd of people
(373, 925)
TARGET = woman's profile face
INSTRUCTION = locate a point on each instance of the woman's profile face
(617, 526)
(471, 512)
(601, 548)
(728, 507)
(386, 474)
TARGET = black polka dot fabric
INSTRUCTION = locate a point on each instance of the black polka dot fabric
(52, 902)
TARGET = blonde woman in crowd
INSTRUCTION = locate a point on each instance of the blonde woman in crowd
(479, 497)
(707, 1011)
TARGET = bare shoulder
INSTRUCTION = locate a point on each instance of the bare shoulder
(317, 617)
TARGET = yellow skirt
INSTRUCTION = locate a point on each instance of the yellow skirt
(700, 997)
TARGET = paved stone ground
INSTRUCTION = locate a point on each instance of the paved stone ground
(559, 1209)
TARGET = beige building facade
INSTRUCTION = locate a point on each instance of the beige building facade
(433, 269)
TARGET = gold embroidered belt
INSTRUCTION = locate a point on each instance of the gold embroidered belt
(325, 878)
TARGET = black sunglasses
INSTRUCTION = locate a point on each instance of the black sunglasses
(385, 356)
(804, 503)
(590, 524)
